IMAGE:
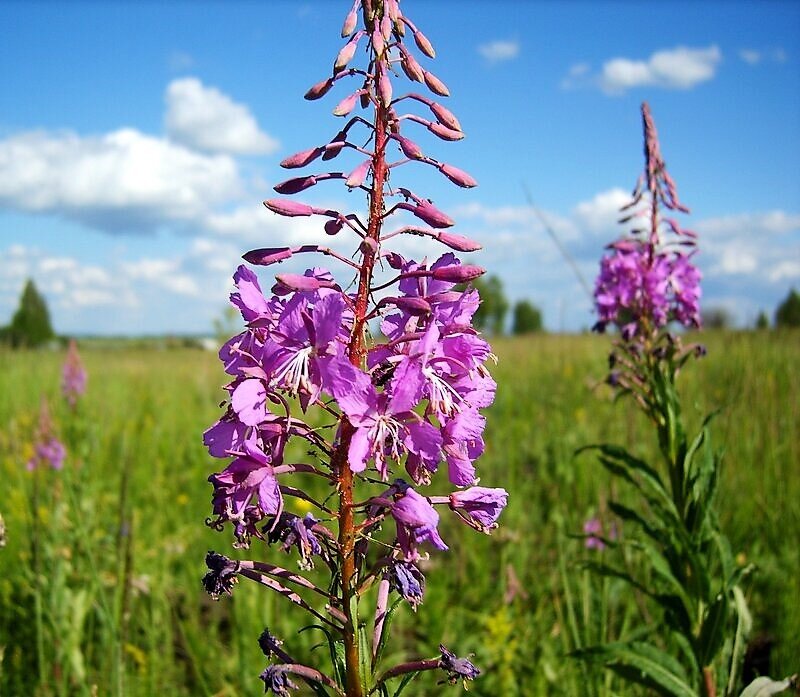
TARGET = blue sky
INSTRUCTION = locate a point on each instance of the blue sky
(137, 141)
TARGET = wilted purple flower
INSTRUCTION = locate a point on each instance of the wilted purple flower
(479, 506)
(293, 531)
(73, 376)
(221, 576)
(407, 580)
(456, 667)
(276, 678)
(47, 449)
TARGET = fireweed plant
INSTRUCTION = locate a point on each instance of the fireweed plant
(385, 413)
(686, 575)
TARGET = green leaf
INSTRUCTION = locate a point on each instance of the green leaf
(713, 629)
(764, 687)
(744, 623)
(405, 682)
(643, 664)
(385, 634)
(364, 658)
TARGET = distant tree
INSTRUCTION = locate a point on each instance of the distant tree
(716, 318)
(788, 312)
(527, 318)
(30, 326)
(491, 314)
(762, 321)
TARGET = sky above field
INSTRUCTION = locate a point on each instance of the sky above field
(137, 141)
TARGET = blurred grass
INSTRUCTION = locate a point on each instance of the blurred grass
(122, 538)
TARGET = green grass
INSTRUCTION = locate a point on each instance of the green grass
(100, 579)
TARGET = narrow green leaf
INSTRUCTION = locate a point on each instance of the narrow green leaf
(713, 629)
(386, 624)
(405, 682)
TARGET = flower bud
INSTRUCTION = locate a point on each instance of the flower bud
(368, 244)
(296, 185)
(347, 105)
(435, 84)
(424, 45)
(395, 260)
(457, 176)
(445, 116)
(385, 88)
(319, 90)
(444, 132)
(357, 176)
(458, 273)
(287, 207)
(410, 67)
(414, 305)
(333, 227)
(410, 149)
(378, 44)
(431, 215)
(301, 159)
(333, 148)
(458, 242)
(267, 256)
(346, 53)
(296, 282)
(386, 26)
(350, 21)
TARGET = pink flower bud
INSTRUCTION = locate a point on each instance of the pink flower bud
(347, 105)
(319, 90)
(287, 207)
(368, 245)
(346, 53)
(458, 273)
(267, 256)
(435, 84)
(445, 116)
(431, 215)
(350, 21)
(458, 242)
(294, 281)
(411, 68)
(444, 132)
(395, 260)
(410, 149)
(377, 42)
(423, 44)
(412, 304)
(333, 148)
(386, 26)
(457, 176)
(301, 159)
(385, 88)
(357, 176)
(293, 186)
(333, 227)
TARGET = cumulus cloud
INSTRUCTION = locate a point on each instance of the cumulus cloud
(602, 211)
(753, 56)
(203, 118)
(121, 181)
(499, 50)
(677, 68)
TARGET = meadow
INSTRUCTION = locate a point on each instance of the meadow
(100, 588)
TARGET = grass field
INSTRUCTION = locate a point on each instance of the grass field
(100, 578)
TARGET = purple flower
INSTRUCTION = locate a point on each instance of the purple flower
(221, 576)
(73, 376)
(479, 506)
(593, 529)
(417, 523)
(47, 449)
(276, 678)
(245, 492)
(456, 667)
(293, 531)
(407, 580)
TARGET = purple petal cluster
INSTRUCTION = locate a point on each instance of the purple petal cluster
(73, 376)
(47, 448)
(648, 279)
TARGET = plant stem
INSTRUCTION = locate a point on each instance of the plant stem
(357, 353)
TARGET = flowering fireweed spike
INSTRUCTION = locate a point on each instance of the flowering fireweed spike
(647, 288)
(73, 376)
(47, 449)
(385, 414)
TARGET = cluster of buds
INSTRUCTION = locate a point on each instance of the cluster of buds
(73, 376)
(648, 279)
(48, 449)
(393, 411)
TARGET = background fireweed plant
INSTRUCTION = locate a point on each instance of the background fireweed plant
(686, 573)
(304, 370)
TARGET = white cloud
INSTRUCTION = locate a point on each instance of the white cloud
(753, 56)
(788, 269)
(678, 68)
(499, 50)
(755, 226)
(601, 213)
(750, 56)
(123, 180)
(204, 118)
